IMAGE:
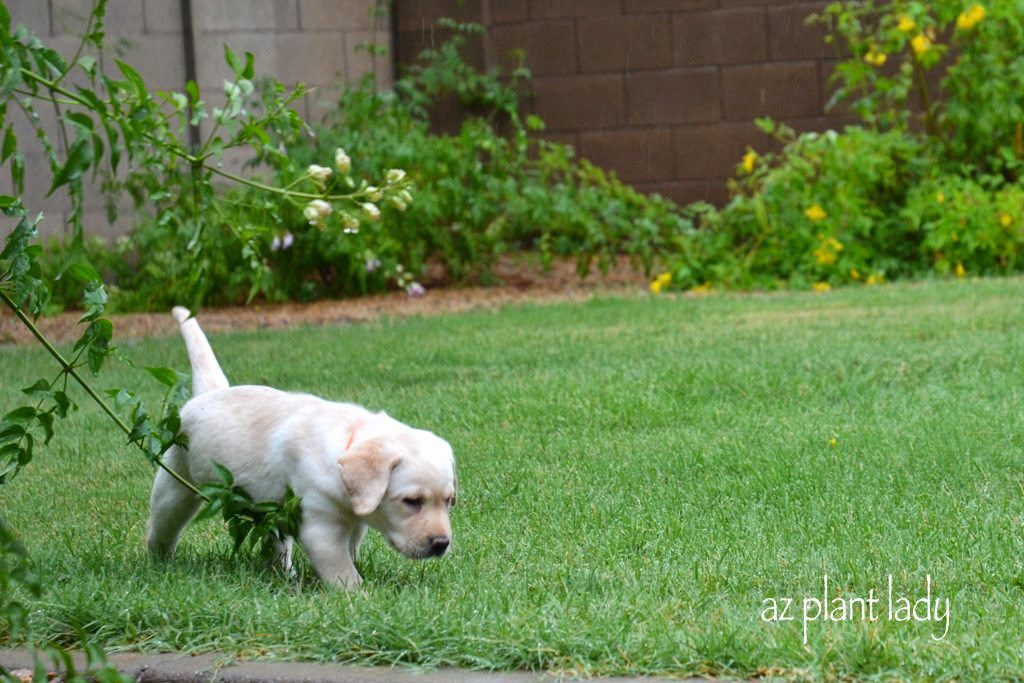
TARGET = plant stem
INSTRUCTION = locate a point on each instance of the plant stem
(70, 370)
(926, 101)
(193, 158)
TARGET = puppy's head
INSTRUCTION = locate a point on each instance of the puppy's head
(403, 485)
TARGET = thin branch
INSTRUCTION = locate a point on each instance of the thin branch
(70, 370)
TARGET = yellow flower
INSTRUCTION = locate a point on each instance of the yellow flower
(749, 159)
(700, 290)
(854, 274)
(874, 57)
(660, 282)
(940, 198)
(1005, 219)
(832, 442)
(970, 17)
(874, 279)
(821, 287)
(828, 251)
(959, 270)
(920, 44)
(906, 24)
(816, 213)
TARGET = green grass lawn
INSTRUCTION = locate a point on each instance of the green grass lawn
(637, 477)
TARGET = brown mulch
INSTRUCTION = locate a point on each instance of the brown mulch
(521, 281)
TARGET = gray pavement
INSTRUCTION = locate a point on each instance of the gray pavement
(179, 668)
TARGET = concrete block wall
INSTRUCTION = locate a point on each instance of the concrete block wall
(662, 91)
(316, 42)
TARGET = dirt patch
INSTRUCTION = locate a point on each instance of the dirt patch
(521, 280)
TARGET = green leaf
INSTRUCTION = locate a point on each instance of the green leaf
(134, 79)
(10, 144)
(122, 398)
(18, 172)
(40, 389)
(224, 474)
(249, 70)
(82, 272)
(165, 376)
(94, 301)
(232, 59)
(79, 160)
(140, 429)
(81, 120)
(46, 422)
(63, 403)
(19, 416)
(100, 344)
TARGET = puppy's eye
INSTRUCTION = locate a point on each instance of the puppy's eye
(416, 502)
(450, 501)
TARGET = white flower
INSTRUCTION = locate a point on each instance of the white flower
(350, 223)
(317, 211)
(342, 162)
(372, 264)
(373, 193)
(395, 175)
(399, 203)
(319, 174)
(371, 211)
(280, 243)
(416, 290)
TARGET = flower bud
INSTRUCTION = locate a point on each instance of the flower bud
(395, 175)
(319, 174)
(316, 212)
(342, 162)
(349, 223)
(373, 193)
(371, 211)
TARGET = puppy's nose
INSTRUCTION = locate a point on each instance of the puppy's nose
(438, 545)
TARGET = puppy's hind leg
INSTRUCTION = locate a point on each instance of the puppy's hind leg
(171, 506)
(283, 555)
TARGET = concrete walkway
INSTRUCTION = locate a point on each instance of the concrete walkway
(178, 668)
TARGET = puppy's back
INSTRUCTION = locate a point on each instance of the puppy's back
(258, 432)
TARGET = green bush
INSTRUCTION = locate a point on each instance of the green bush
(490, 189)
(928, 184)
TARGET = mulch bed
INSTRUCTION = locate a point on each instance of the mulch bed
(521, 281)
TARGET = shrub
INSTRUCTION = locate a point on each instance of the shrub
(927, 184)
(489, 189)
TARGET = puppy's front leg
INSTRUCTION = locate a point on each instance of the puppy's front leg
(327, 542)
(357, 538)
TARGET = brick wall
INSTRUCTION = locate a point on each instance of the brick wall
(313, 41)
(662, 91)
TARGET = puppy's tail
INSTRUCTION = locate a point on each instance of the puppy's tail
(206, 372)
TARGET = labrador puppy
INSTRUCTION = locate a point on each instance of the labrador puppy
(352, 468)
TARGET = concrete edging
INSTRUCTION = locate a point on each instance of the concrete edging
(183, 668)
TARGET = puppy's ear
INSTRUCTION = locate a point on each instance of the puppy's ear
(365, 472)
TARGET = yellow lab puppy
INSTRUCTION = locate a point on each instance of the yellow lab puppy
(351, 467)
